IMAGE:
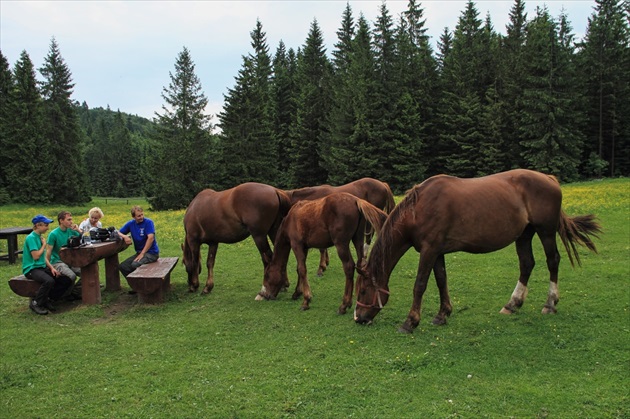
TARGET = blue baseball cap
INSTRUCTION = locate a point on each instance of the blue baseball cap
(41, 219)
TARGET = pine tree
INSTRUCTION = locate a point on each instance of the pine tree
(68, 183)
(283, 98)
(604, 65)
(248, 141)
(5, 89)
(180, 163)
(24, 149)
(549, 125)
(511, 81)
(310, 140)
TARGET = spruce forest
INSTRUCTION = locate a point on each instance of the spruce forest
(381, 102)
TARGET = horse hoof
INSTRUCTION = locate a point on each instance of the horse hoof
(304, 308)
(404, 330)
(341, 311)
(320, 274)
(549, 310)
(439, 321)
(506, 311)
(258, 297)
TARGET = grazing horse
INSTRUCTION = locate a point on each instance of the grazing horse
(335, 220)
(230, 216)
(445, 214)
(374, 191)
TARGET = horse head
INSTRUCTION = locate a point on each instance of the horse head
(371, 298)
(272, 283)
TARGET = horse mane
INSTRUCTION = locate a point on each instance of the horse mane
(379, 254)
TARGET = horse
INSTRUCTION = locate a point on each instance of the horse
(374, 191)
(445, 214)
(230, 216)
(334, 220)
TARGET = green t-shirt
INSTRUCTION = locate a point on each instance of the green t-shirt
(33, 242)
(58, 238)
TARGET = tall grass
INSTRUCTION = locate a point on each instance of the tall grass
(226, 355)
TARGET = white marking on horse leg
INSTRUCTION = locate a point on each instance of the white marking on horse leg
(520, 293)
(552, 299)
(516, 300)
(259, 296)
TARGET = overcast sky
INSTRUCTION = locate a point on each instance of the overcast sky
(120, 53)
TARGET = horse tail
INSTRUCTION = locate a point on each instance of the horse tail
(374, 216)
(577, 230)
(285, 202)
(390, 204)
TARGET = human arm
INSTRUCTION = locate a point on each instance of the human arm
(49, 249)
(147, 246)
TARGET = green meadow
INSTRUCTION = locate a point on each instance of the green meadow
(225, 355)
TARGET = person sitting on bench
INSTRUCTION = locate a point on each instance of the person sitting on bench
(36, 266)
(144, 242)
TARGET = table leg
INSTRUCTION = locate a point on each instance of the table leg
(112, 275)
(12, 245)
(90, 285)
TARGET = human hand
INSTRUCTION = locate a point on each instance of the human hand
(54, 272)
(127, 239)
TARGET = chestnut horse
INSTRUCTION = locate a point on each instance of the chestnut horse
(374, 191)
(445, 214)
(334, 220)
(230, 216)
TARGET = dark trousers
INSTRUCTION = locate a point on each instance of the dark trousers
(128, 265)
(51, 287)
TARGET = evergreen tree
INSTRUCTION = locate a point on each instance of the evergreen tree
(283, 98)
(68, 183)
(26, 158)
(605, 68)
(311, 135)
(248, 142)
(5, 89)
(180, 163)
(511, 82)
(465, 81)
(549, 125)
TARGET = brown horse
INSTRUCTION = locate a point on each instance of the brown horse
(230, 216)
(334, 220)
(374, 191)
(445, 214)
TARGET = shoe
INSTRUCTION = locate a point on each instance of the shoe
(49, 305)
(37, 308)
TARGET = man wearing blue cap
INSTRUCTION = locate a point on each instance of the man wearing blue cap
(35, 266)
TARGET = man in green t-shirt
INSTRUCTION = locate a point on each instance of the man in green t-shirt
(35, 266)
(58, 238)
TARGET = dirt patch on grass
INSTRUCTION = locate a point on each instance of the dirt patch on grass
(118, 304)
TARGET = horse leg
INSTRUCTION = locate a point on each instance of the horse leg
(195, 268)
(427, 261)
(348, 269)
(439, 270)
(553, 261)
(212, 254)
(302, 287)
(324, 261)
(526, 265)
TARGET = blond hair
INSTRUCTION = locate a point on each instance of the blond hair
(96, 211)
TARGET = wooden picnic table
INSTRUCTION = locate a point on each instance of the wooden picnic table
(86, 257)
(10, 234)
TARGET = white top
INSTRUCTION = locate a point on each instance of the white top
(85, 226)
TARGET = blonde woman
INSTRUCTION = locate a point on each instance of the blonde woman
(93, 221)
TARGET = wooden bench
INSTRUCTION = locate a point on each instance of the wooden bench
(23, 286)
(153, 280)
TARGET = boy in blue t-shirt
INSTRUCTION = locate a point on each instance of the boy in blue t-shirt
(144, 242)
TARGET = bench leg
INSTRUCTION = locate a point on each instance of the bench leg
(112, 274)
(90, 285)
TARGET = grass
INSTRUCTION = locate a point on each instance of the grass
(226, 355)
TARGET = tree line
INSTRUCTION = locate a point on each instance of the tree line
(383, 104)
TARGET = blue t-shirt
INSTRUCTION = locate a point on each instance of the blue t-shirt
(139, 232)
